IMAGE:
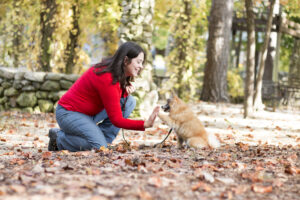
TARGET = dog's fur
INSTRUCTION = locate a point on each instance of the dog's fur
(187, 126)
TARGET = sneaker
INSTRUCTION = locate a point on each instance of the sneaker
(52, 139)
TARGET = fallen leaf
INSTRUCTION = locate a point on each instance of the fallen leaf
(240, 189)
(18, 188)
(261, 189)
(292, 170)
(155, 181)
(226, 195)
(47, 155)
(144, 195)
(201, 185)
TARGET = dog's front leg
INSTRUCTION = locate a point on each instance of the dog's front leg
(166, 119)
(179, 142)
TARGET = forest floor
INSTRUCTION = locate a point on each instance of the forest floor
(259, 159)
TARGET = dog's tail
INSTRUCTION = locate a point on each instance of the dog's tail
(213, 141)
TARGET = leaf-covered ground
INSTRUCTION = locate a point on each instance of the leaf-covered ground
(259, 159)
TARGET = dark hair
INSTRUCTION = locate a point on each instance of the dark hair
(115, 64)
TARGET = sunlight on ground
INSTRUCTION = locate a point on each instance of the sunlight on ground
(227, 122)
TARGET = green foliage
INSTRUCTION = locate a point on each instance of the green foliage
(235, 84)
(21, 38)
(188, 22)
(291, 7)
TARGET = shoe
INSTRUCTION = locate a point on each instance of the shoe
(52, 146)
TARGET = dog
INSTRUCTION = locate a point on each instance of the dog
(187, 126)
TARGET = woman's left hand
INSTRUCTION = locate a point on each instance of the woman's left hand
(130, 89)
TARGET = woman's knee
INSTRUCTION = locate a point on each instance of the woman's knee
(131, 103)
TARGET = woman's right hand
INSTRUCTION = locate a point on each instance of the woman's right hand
(150, 121)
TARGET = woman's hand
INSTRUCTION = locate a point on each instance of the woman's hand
(130, 89)
(149, 123)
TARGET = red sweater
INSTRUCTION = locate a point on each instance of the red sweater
(92, 93)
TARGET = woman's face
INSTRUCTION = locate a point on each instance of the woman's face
(135, 66)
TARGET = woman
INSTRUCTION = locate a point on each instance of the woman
(91, 113)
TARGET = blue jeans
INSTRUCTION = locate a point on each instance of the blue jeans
(80, 132)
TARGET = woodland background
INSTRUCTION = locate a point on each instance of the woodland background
(213, 53)
(195, 47)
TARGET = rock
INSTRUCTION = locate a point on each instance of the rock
(1, 91)
(28, 109)
(10, 92)
(25, 82)
(45, 105)
(36, 76)
(36, 85)
(28, 88)
(65, 84)
(19, 75)
(41, 94)
(27, 99)
(6, 84)
(37, 109)
(3, 100)
(71, 77)
(17, 84)
(13, 102)
(53, 95)
(8, 73)
(50, 86)
(53, 76)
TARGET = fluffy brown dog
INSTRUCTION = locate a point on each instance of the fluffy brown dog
(187, 126)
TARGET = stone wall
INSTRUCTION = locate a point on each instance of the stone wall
(32, 91)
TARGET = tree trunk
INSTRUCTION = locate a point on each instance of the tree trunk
(238, 49)
(257, 96)
(47, 23)
(268, 72)
(249, 83)
(17, 33)
(183, 49)
(73, 44)
(272, 50)
(136, 25)
(215, 74)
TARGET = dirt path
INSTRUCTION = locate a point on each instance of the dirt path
(259, 159)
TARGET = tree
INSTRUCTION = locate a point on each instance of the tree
(183, 59)
(108, 23)
(47, 23)
(249, 83)
(257, 102)
(17, 33)
(73, 45)
(215, 77)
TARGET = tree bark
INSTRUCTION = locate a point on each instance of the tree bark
(238, 49)
(249, 83)
(257, 96)
(17, 31)
(47, 23)
(73, 44)
(183, 46)
(215, 73)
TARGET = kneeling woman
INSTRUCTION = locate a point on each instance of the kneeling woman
(91, 113)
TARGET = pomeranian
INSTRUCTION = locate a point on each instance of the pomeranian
(187, 126)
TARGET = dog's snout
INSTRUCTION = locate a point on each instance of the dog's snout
(166, 107)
